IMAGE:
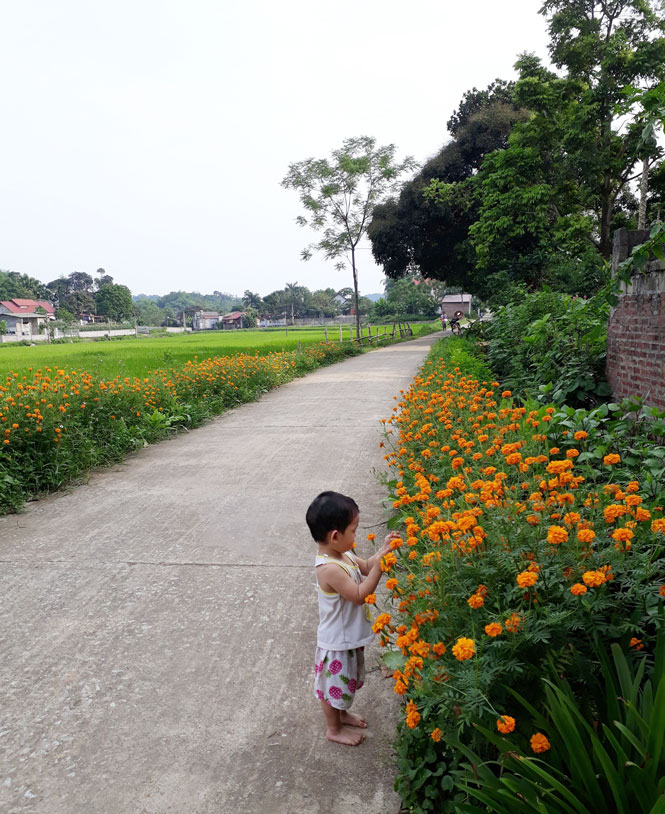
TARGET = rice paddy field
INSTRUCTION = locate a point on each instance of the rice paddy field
(129, 356)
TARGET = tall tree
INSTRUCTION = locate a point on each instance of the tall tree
(339, 195)
(608, 45)
(13, 284)
(252, 300)
(429, 234)
(115, 302)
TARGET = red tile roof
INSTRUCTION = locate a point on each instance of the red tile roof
(22, 306)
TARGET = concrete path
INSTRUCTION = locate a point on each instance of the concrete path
(158, 624)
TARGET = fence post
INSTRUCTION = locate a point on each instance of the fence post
(325, 334)
(341, 338)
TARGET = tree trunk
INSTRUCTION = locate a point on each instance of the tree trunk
(644, 189)
(605, 219)
(355, 291)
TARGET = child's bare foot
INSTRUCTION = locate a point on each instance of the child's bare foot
(351, 719)
(345, 736)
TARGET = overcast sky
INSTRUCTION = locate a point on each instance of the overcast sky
(150, 137)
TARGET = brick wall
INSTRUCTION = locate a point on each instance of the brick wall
(636, 333)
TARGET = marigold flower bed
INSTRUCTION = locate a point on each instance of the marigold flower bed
(509, 565)
(55, 424)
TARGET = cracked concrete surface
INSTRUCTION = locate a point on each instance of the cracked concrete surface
(158, 623)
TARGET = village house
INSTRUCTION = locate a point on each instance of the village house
(456, 302)
(205, 320)
(232, 320)
(345, 303)
(21, 317)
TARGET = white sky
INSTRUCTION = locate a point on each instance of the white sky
(150, 137)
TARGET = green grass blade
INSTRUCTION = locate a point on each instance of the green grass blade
(657, 729)
(639, 747)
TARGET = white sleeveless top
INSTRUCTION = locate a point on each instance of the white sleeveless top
(342, 625)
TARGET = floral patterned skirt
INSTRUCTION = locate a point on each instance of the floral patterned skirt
(338, 675)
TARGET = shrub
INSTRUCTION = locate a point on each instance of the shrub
(552, 339)
(610, 758)
(509, 561)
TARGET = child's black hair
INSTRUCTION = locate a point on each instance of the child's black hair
(330, 511)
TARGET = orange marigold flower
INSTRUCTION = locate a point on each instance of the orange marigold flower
(400, 687)
(533, 519)
(370, 599)
(612, 459)
(539, 743)
(526, 579)
(475, 601)
(556, 535)
(622, 535)
(578, 589)
(633, 486)
(514, 458)
(381, 621)
(371, 537)
(505, 724)
(513, 622)
(506, 394)
(387, 561)
(636, 643)
(464, 649)
(661, 590)
(494, 629)
(412, 715)
(658, 526)
(613, 512)
(580, 435)
(391, 583)
(437, 734)
(593, 578)
(439, 648)
(586, 535)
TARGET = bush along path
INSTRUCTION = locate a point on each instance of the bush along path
(526, 604)
(57, 424)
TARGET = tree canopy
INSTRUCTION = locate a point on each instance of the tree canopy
(538, 174)
(339, 194)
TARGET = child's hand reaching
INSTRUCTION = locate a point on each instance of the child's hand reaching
(386, 547)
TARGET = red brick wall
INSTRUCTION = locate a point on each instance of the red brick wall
(636, 332)
(636, 348)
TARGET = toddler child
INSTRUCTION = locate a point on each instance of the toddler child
(344, 618)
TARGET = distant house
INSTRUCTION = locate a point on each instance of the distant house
(232, 320)
(91, 319)
(345, 303)
(205, 320)
(456, 302)
(21, 317)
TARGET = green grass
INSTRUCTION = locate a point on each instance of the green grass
(128, 356)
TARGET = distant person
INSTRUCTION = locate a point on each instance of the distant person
(444, 320)
(480, 313)
(344, 618)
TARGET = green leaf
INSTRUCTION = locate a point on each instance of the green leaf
(393, 659)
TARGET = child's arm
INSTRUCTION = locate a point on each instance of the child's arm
(336, 579)
(366, 565)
